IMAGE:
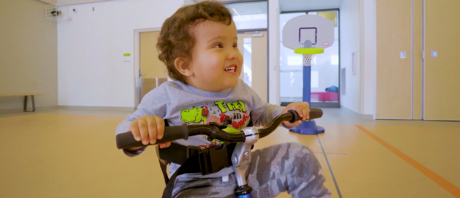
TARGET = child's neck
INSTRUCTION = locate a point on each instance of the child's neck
(205, 88)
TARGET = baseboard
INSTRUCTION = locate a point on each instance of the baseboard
(360, 116)
(41, 109)
(29, 108)
(97, 108)
(366, 116)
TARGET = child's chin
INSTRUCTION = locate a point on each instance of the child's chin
(231, 83)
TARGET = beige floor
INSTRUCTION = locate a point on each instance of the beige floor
(72, 153)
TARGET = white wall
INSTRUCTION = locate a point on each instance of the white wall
(250, 21)
(350, 42)
(189, 2)
(54, 2)
(73, 2)
(273, 54)
(28, 55)
(368, 52)
(91, 47)
(70, 2)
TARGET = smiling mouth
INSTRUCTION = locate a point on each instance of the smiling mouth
(230, 69)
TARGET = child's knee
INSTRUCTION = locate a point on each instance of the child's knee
(287, 155)
(297, 148)
(301, 155)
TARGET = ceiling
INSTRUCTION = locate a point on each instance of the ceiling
(248, 7)
(285, 5)
(228, 1)
(69, 2)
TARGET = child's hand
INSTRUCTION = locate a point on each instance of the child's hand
(149, 129)
(302, 109)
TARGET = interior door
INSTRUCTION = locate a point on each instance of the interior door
(152, 71)
(253, 47)
(394, 59)
(442, 70)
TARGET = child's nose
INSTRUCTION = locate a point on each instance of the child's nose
(232, 55)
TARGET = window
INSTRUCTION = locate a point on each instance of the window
(249, 15)
(325, 67)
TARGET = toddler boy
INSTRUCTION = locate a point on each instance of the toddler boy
(198, 44)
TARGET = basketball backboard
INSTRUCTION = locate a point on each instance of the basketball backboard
(317, 29)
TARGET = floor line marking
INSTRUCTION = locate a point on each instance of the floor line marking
(329, 166)
(454, 190)
(332, 153)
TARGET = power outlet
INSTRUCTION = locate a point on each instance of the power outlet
(402, 54)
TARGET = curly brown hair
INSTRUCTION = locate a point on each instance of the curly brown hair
(176, 37)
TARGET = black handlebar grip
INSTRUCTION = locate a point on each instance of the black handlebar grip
(314, 114)
(126, 140)
(295, 116)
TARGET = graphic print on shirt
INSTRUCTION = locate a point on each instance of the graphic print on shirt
(195, 115)
(219, 112)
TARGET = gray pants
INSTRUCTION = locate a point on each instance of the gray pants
(288, 167)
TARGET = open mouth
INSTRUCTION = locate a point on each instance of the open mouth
(230, 69)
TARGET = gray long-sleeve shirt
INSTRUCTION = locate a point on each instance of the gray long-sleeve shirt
(179, 103)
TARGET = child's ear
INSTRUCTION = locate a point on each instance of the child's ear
(183, 66)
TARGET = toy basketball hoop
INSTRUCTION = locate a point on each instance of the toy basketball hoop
(308, 54)
(308, 35)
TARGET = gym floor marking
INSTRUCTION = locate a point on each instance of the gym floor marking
(329, 166)
(451, 188)
(330, 153)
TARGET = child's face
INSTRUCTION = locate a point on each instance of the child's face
(216, 61)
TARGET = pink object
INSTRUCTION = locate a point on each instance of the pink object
(317, 96)
(331, 96)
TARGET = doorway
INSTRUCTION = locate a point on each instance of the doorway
(253, 47)
(325, 78)
(150, 72)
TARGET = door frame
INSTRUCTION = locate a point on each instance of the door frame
(423, 58)
(244, 31)
(136, 57)
(137, 60)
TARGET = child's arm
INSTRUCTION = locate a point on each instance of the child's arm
(263, 112)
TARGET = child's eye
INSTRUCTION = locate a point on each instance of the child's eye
(219, 45)
(235, 45)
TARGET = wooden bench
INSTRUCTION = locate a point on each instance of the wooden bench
(25, 99)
